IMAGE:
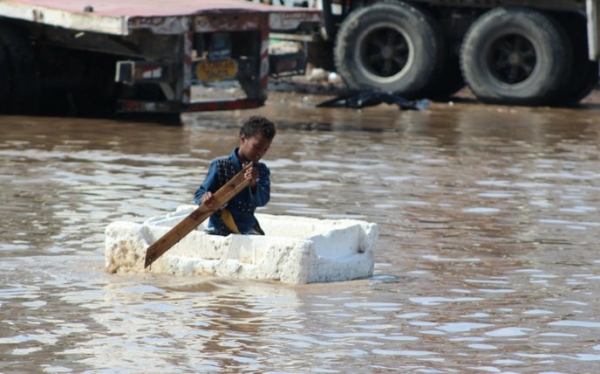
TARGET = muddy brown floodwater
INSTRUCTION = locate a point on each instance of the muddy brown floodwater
(488, 258)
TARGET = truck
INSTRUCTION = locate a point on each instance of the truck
(513, 52)
(93, 58)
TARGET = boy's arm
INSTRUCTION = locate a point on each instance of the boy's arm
(209, 184)
(262, 194)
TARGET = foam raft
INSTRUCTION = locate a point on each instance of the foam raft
(295, 250)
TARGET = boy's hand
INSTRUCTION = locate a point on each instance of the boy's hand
(208, 199)
(252, 174)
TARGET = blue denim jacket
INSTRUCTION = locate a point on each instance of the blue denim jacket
(244, 204)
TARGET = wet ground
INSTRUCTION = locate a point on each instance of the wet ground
(487, 260)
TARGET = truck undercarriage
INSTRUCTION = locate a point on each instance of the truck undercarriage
(507, 52)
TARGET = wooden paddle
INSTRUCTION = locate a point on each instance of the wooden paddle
(222, 196)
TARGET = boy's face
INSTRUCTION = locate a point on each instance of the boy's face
(254, 147)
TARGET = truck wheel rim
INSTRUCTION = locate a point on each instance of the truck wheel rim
(512, 59)
(385, 52)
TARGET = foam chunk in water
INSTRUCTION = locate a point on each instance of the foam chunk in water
(294, 250)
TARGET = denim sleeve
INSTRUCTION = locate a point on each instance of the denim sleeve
(209, 184)
(262, 195)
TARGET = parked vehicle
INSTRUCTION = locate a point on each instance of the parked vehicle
(519, 52)
(72, 58)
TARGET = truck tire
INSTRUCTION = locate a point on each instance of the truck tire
(24, 97)
(584, 75)
(515, 55)
(391, 46)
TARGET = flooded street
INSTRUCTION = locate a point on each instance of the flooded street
(487, 259)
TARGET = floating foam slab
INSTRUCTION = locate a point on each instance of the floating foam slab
(295, 250)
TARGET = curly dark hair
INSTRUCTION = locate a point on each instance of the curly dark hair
(258, 125)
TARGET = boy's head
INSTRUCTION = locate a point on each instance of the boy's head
(258, 125)
(256, 136)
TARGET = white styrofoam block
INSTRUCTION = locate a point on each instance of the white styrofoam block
(294, 250)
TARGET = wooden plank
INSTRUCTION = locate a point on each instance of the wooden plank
(189, 223)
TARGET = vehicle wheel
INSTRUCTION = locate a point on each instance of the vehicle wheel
(515, 55)
(24, 96)
(584, 75)
(389, 46)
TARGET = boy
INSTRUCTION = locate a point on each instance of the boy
(237, 216)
